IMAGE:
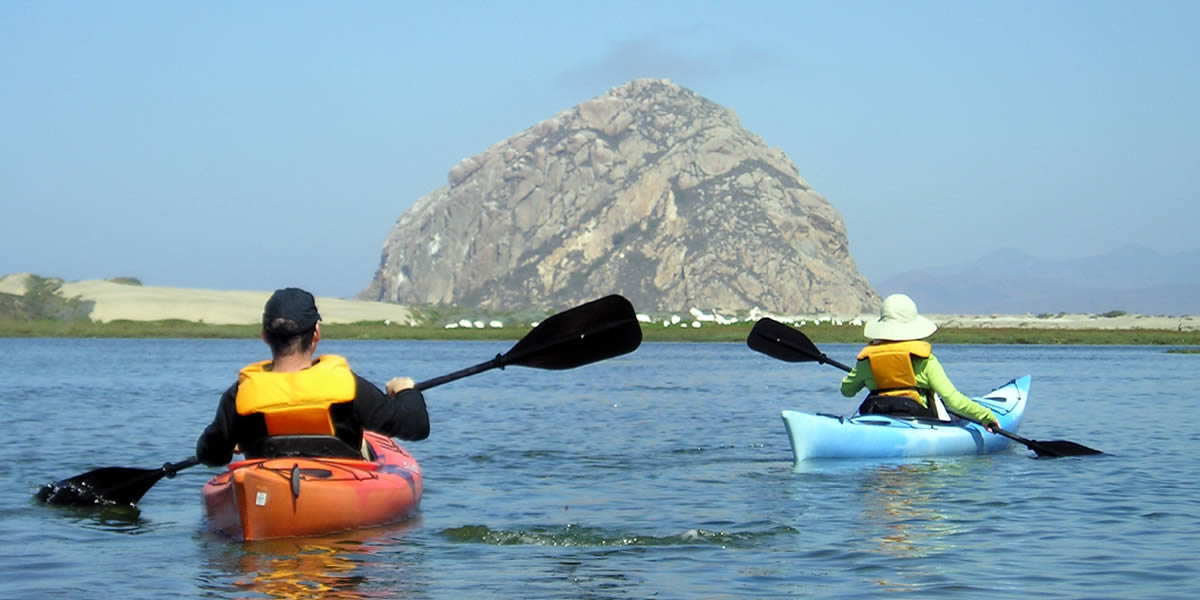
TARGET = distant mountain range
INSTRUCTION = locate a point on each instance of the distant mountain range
(1133, 279)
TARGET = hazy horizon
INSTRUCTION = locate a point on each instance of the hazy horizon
(253, 146)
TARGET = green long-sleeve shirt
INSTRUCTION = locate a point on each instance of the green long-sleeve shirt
(930, 375)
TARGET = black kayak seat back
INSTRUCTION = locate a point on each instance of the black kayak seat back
(322, 446)
(902, 406)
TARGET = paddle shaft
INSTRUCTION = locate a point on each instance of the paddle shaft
(1012, 436)
(479, 368)
(171, 469)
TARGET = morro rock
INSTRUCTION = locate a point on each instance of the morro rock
(650, 191)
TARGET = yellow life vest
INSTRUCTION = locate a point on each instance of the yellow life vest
(296, 403)
(892, 368)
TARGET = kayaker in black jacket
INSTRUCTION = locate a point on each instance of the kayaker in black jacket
(293, 394)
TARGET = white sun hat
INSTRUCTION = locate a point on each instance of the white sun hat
(898, 321)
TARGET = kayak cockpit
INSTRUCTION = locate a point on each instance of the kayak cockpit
(311, 446)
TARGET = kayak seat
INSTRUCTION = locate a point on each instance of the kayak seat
(324, 446)
(902, 406)
(892, 406)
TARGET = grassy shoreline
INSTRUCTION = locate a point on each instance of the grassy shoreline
(823, 333)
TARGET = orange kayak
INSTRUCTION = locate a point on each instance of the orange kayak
(292, 496)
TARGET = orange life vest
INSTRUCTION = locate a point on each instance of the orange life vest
(296, 403)
(892, 368)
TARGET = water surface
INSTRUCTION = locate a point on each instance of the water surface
(665, 473)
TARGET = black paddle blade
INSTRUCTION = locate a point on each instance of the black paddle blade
(588, 333)
(107, 486)
(1060, 448)
(780, 341)
(785, 343)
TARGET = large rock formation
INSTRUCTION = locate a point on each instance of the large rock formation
(650, 191)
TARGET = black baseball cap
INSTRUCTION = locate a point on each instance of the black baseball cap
(293, 304)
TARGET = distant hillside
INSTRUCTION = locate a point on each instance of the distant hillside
(1133, 279)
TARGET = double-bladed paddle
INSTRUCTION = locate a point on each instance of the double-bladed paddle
(585, 334)
(785, 343)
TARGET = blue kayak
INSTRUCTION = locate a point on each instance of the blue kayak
(870, 436)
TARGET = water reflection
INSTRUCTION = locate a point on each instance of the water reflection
(907, 513)
(338, 566)
(902, 505)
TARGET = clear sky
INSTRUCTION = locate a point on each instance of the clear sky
(253, 145)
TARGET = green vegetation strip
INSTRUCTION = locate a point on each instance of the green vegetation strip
(652, 333)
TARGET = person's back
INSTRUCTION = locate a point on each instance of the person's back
(295, 396)
(901, 372)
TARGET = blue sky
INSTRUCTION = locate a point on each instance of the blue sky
(235, 145)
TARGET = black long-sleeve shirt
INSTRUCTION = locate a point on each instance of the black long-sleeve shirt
(404, 417)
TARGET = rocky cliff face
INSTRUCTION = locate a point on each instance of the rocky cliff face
(649, 191)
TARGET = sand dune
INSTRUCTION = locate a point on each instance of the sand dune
(151, 303)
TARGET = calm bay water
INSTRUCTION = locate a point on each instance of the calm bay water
(665, 473)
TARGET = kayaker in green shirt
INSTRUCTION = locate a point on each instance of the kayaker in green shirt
(901, 372)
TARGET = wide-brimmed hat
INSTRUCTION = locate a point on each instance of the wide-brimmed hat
(898, 321)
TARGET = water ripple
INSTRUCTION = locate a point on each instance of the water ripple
(580, 536)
